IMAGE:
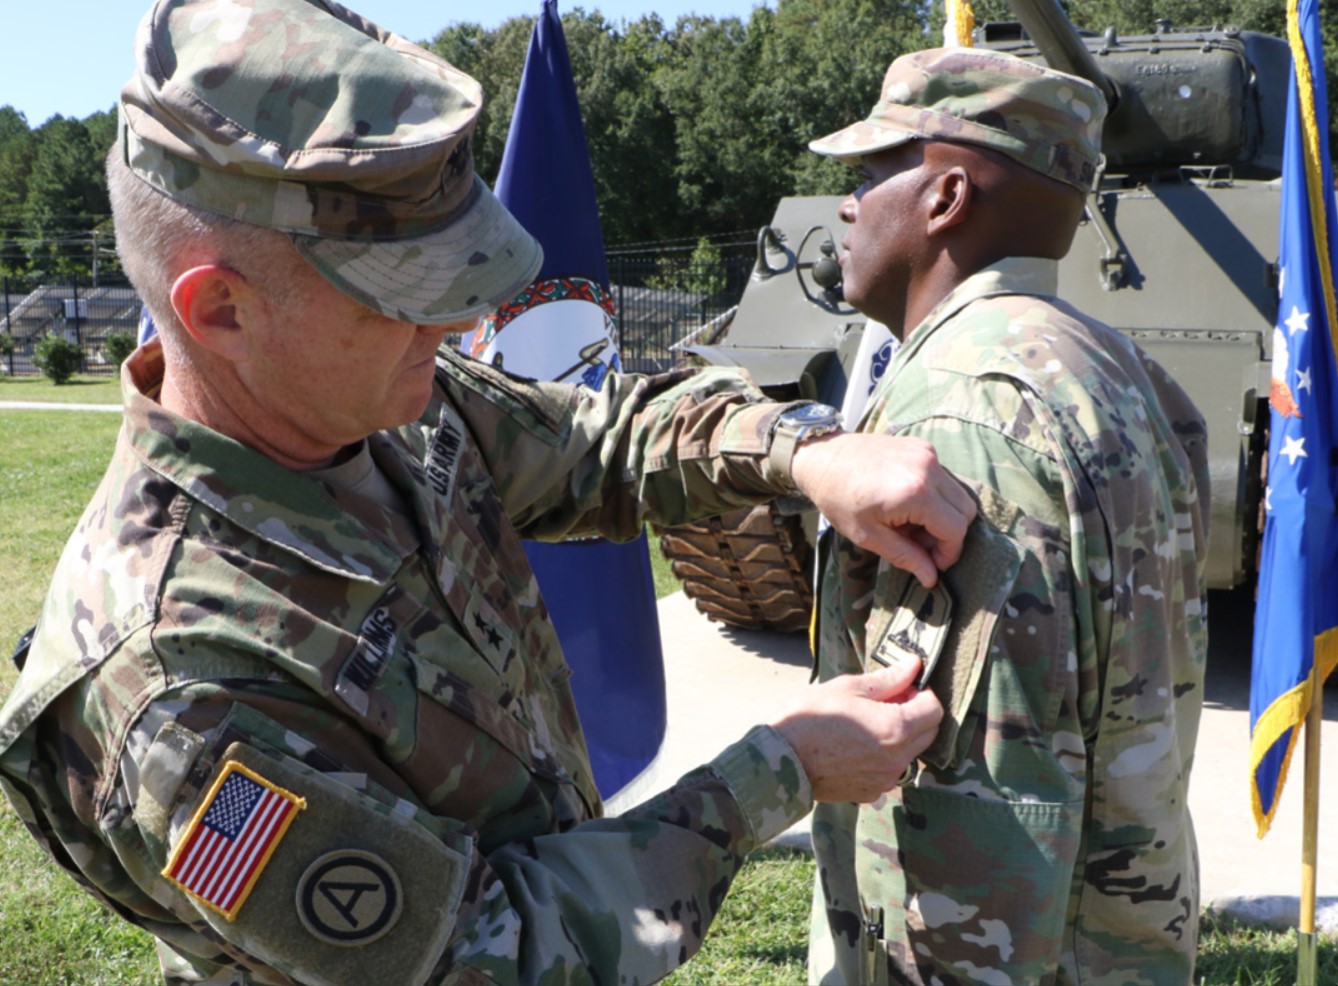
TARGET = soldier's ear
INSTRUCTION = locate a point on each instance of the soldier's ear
(950, 200)
(211, 301)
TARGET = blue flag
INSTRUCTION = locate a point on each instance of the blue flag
(601, 595)
(1296, 616)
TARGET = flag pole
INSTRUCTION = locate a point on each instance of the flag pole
(1306, 943)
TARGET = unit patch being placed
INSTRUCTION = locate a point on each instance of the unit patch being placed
(349, 897)
(231, 837)
(915, 626)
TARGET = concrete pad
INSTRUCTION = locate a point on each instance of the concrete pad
(720, 681)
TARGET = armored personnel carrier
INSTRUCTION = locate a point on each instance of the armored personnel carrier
(1178, 250)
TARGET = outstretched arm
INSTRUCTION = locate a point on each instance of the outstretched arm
(889, 495)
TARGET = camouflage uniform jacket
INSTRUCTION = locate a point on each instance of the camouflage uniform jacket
(392, 684)
(1045, 837)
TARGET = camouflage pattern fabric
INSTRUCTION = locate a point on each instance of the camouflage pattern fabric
(302, 116)
(1046, 836)
(1048, 121)
(397, 674)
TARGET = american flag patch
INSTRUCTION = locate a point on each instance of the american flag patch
(231, 838)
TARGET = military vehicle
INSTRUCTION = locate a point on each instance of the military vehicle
(1178, 250)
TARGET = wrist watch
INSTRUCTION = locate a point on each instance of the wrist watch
(796, 425)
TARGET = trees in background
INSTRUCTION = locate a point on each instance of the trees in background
(701, 126)
(54, 214)
(695, 128)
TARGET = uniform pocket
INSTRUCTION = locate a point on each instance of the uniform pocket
(968, 889)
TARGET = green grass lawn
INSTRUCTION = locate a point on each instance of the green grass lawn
(50, 463)
(81, 389)
(53, 933)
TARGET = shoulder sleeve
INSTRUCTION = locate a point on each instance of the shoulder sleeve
(995, 435)
(275, 846)
(569, 460)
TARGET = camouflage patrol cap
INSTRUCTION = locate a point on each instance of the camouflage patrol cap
(1044, 119)
(302, 116)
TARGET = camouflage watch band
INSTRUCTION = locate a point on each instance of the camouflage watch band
(796, 425)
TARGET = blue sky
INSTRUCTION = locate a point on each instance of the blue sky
(72, 56)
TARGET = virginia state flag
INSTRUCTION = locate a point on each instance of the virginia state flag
(601, 595)
(1296, 616)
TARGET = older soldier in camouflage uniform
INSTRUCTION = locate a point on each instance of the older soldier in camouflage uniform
(295, 704)
(1045, 836)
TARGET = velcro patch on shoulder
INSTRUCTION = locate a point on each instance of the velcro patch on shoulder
(981, 583)
(363, 888)
(950, 628)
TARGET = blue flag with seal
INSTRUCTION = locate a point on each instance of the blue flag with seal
(1296, 615)
(601, 595)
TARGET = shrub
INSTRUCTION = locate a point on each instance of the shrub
(57, 358)
(117, 346)
(703, 273)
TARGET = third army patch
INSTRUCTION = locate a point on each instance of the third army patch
(349, 897)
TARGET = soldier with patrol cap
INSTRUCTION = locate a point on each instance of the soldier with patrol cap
(1044, 836)
(295, 704)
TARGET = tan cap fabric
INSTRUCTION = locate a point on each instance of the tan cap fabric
(1046, 120)
(302, 116)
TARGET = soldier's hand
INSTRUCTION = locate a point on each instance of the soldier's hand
(889, 495)
(857, 734)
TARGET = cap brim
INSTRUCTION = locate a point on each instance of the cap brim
(850, 144)
(466, 269)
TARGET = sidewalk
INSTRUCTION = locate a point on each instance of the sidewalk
(721, 681)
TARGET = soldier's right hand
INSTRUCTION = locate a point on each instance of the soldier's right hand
(857, 734)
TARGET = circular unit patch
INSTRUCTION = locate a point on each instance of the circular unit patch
(349, 897)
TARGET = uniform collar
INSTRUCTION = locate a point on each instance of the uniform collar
(1013, 275)
(289, 510)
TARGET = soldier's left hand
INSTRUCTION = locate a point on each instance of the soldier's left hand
(888, 494)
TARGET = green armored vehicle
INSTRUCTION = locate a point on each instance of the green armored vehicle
(1178, 250)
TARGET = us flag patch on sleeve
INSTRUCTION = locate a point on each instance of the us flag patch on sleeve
(233, 834)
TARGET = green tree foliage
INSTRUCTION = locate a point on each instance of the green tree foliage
(117, 346)
(53, 192)
(627, 126)
(57, 357)
(699, 272)
(694, 128)
(827, 59)
(701, 126)
(18, 148)
(67, 195)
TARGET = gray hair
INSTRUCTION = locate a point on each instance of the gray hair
(158, 238)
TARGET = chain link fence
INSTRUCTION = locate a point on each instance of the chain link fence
(664, 295)
(667, 296)
(80, 311)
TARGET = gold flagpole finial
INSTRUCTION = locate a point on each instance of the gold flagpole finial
(960, 21)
